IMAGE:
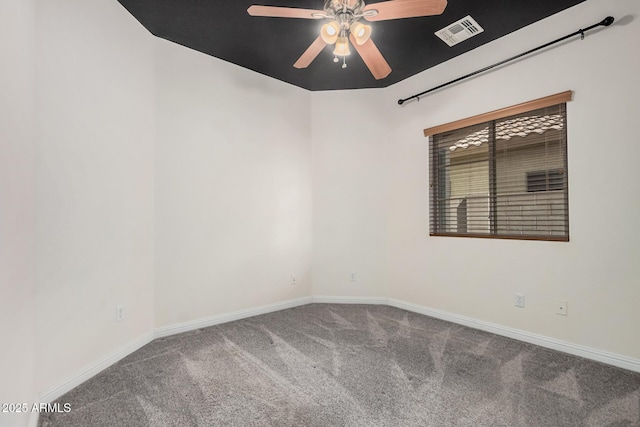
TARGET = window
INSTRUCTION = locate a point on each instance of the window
(502, 174)
(545, 180)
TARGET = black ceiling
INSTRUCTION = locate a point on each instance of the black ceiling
(224, 29)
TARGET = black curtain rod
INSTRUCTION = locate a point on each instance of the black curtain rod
(605, 22)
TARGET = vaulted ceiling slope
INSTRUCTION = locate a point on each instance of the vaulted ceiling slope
(271, 46)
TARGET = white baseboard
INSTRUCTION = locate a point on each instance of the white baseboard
(89, 371)
(229, 317)
(541, 340)
(33, 419)
(349, 300)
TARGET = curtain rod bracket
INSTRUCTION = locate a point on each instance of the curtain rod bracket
(605, 22)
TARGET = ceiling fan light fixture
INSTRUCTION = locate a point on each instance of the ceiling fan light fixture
(361, 32)
(342, 47)
(329, 32)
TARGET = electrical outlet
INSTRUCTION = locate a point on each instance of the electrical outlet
(119, 313)
(519, 300)
(293, 280)
(561, 308)
(353, 277)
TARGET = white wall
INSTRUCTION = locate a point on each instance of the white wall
(17, 197)
(350, 193)
(233, 188)
(596, 271)
(94, 163)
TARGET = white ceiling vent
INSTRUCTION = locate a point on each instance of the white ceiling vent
(459, 31)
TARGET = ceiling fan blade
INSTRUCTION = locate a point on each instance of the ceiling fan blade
(310, 54)
(372, 57)
(283, 12)
(397, 9)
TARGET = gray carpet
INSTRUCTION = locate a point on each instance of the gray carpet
(350, 365)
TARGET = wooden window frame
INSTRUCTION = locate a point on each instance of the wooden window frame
(547, 101)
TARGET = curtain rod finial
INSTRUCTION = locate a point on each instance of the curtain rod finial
(607, 21)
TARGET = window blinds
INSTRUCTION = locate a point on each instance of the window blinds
(504, 178)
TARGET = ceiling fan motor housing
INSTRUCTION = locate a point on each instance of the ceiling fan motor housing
(344, 11)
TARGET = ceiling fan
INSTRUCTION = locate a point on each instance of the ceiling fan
(344, 27)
